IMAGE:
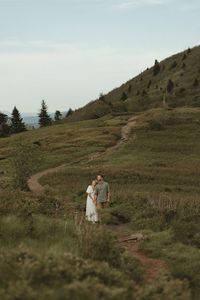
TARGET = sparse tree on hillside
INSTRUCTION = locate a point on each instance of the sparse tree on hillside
(129, 88)
(44, 117)
(102, 97)
(184, 56)
(183, 66)
(144, 93)
(69, 113)
(156, 68)
(4, 127)
(170, 86)
(17, 124)
(188, 50)
(149, 84)
(173, 65)
(57, 116)
(196, 82)
(124, 97)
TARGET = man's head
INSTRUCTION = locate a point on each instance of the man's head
(100, 178)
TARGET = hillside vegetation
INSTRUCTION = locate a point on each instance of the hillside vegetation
(174, 82)
(49, 251)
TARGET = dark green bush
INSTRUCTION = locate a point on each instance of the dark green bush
(156, 68)
(173, 65)
(155, 125)
(187, 230)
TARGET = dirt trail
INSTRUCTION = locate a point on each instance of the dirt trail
(37, 188)
(152, 267)
(33, 182)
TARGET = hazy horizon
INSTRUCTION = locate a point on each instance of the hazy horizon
(68, 52)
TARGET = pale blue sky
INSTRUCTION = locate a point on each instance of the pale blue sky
(68, 51)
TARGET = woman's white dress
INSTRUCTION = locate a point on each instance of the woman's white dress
(91, 211)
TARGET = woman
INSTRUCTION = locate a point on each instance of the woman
(91, 211)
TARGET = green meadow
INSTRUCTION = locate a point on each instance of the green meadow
(48, 250)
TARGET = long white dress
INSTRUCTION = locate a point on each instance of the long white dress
(91, 211)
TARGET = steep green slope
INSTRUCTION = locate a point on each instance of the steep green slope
(149, 89)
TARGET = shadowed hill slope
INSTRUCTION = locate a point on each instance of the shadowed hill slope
(174, 82)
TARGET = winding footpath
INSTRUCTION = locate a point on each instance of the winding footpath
(152, 267)
(36, 188)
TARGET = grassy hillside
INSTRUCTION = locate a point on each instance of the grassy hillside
(148, 89)
(46, 251)
(66, 142)
(155, 189)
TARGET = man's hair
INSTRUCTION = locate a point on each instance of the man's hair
(100, 175)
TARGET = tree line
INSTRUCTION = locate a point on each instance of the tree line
(15, 124)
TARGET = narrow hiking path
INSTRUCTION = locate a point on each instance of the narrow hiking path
(130, 242)
(153, 267)
(36, 188)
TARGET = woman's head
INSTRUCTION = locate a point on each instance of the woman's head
(94, 182)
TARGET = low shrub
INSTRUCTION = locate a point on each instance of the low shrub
(187, 230)
(26, 275)
(96, 242)
(166, 288)
(131, 266)
(155, 125)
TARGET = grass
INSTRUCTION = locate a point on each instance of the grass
(155, 185)
(66, 142)
(155, 189)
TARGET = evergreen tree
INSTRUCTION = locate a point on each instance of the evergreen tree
(124, 97)
(170, 86)
(57, 116)
(196, 82)
(149, 84)
(184, 56)
(173, 65)
(129, 88)
(17, 124)
(144, 93)
(44, 117)
(156, 68)
(69, 113)
(4, 127)
(102, 97)
(183, 66)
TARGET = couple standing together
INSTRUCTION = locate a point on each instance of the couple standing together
(98, 197)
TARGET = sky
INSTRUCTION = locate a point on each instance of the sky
(69, 51)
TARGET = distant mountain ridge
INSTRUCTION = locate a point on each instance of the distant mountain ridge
(174, 82)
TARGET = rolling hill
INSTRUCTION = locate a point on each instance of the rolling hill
(174, 82)
(48, 250)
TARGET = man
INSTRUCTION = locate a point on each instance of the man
(102, 193)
